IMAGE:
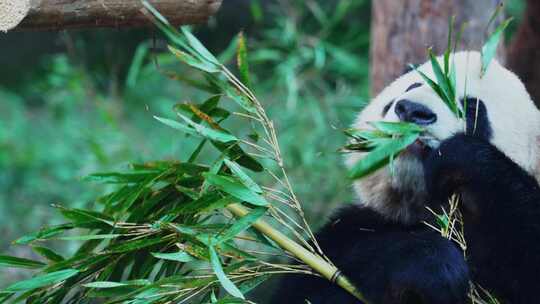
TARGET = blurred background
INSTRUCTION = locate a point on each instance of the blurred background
(77, 102)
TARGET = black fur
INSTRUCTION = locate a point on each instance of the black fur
(501, 210)
(393, 263)
(477, 119)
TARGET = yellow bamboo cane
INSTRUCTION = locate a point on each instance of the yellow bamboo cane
(315, 261)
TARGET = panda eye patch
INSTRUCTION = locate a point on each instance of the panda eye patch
(387, 107)
(413, 86)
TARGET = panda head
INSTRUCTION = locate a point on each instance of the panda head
(498, 108)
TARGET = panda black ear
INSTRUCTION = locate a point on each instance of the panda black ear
(476, 118)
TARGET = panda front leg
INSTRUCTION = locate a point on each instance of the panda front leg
(389, 262)
(500, 203)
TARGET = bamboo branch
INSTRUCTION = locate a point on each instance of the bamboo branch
(64, 14)
(316, 262)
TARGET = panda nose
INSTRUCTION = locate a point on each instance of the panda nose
(414, 112)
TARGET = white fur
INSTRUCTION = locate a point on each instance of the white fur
(514, 119)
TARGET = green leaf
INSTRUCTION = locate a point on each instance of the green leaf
(380, 156)
(240, 156)
(442, 82)
(397, 127)
(43, 234)
(490, 47)
(179, 256)
(15, 262)
(47, 253)
(448, 50)
(198, 47)
(137, 63)
(197, 129)
(242, 61)
(227, 284)
(81, 216)
(136, 244)
(235, 188)
(434, 86)
(42, 280)
(161, 22)
(495, 13)
(443, 221)
(193, 61)
(89, 237)
(244, 178)
(242, 224)
(238, 97)
(122, 178)
(249, 285)
(107, 284)
(209, 133)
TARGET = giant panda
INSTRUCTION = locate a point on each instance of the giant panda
(492, 162)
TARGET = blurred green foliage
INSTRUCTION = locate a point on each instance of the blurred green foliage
(90, 108)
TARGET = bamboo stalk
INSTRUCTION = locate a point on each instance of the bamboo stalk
(315, 261)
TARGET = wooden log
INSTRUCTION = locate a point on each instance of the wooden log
(73, 14)
(402, 30)
(523, 54)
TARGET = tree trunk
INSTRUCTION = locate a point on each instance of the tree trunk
(523, 53)
(403, 30)
(68, 14)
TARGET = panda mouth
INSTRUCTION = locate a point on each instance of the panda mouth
(424, 144)
(429, 141)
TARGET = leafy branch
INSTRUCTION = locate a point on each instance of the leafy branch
(175, 231)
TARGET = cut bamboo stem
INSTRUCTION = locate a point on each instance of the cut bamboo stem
(315, 261)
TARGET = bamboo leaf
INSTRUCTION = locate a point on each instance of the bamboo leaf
(136, 244)
(489, 49)
(206, 132)
(380, 156)
(434, 86)
(161, 22)
(47, 253)
(15, 262)
(448, 50)
(239, 155)
(197, 129)
(198, 115)
(227, 284)
(235, 188)
(80, 215)
(137, 63)
(199, 47)
(180, 256)
(237, 96)
(193, 61)
(178, 126)
(107, 284)
(42, 280)
(122, 178)
(89, 237)
(241, 224)
(442, 82)
(495, 13)
(242, 61)
(243, 177)
(396, 127)
(43, 234)
(251, 284)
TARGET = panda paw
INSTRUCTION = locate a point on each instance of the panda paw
(458, 161)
